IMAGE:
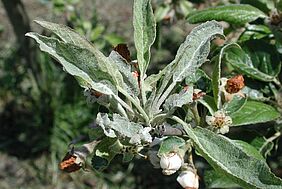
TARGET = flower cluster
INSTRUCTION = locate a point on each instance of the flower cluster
(219, 122)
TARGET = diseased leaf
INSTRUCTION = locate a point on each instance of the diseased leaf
(125, 70)
(235, 14)
(190, 56)
(237, 165)
(120, 126)
(200, 80)
(144, 32)
(194, 51)
(67, 35)
(214, 180)
(254, 112)
(180, 99)
(99, 59)
(74, 60)
(248, 149)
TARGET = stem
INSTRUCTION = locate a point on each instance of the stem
(157, 118)
(270, 139)
(160, 117)
(275, 136)
(123, 103)
(277, 82)
(160, 90)
(136, 104)
(195, 112)
(190, 160)
(121, 111)
(143, 94)
(165, 94)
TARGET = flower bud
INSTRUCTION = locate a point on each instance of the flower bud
(188, 179)
(76, 157)
(170, 163)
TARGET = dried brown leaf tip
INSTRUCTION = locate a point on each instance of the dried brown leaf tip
(122, 49)
(96, 93)
(197, 94)
(135, 74)
(69, 163)
(235, 84)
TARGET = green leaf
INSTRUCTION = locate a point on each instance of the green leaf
(278, 36)
(254, 112)
(127, 157)
(194, 51)
(122, 127)
(235, 104)
(170, 144)
(186, 7)
(97, 32)
(235, 14)
(144, 32)
(216, 75)
(254, 32)
(105, 151)
(209, 103)
(264, 56)
(253, 94)
(114, 39)
(263, 5)
(230, 160)
(262, 145)
(279, 6)
(161, 12)
(242, 62)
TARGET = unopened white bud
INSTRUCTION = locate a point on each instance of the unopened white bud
(170, 163)
(188, 179)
